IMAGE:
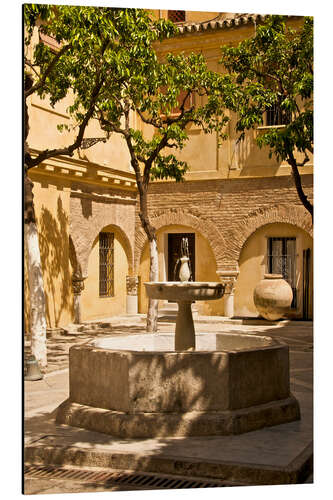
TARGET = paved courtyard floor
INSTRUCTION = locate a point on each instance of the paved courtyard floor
(275, 455)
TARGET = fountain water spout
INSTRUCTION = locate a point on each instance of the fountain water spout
(185, 272)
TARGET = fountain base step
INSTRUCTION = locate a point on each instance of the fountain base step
(148, 425)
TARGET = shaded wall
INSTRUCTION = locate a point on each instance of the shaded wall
(51, 200)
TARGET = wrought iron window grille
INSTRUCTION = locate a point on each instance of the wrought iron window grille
(176, 16)
(106, 264)
(276, 116)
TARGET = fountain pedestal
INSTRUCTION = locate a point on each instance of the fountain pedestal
(184, 334)
(184, 293)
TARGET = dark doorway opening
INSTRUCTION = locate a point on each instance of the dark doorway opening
(306, 283)
(174, 253)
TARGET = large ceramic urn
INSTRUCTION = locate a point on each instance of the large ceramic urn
(273, 296)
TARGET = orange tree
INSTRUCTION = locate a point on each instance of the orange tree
(274, 70)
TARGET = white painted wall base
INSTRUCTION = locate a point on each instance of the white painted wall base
(229, 305)
(77, 309)
(132, 304)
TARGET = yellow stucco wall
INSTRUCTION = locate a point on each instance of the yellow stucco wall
(44, 134)
(253, 265)
(93, 306)
(52, 212)
(205, 268)
(206, 161)
(26, 312)
(230, 160)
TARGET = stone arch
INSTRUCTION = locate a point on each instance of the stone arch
(84, 247)
(295, 215)
(181, 217)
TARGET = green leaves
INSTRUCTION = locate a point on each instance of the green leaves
(274, 68)
(106, 59)
(168, 167)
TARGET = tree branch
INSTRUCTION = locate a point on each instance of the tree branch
(306, 159)
(48, 70)
(30, 163)
(32, 66)
(151, 159)
(298, 183)
(149, 121)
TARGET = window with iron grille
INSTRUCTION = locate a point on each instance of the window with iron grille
(176, 16)
(281, 259)
(275, 116)
(106, 264)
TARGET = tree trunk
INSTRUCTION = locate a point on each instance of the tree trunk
(35, 279)
(298, 183)
(152, 313)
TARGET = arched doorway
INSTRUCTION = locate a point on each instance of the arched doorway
(204, 264)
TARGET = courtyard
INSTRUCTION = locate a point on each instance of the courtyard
(110, 230)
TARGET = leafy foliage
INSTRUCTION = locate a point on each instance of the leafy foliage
(107, 59)
(275, 68)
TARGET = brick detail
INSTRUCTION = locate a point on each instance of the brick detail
(88, 217)
(192, 218)
(295, 215)
(226, 211)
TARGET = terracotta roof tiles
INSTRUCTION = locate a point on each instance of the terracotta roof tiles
(221, 21)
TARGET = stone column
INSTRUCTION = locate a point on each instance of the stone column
(228, 278)
(132, 283)
(78, 286)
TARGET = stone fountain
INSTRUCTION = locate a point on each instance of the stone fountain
(166, 385)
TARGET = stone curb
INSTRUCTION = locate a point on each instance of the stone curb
(296, 472)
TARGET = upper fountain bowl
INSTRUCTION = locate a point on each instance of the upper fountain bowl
(184, 291)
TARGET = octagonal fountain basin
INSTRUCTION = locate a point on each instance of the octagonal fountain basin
(138, 386)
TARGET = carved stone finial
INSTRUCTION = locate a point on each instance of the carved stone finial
(228, 278)
(77, 283)
(132, 283)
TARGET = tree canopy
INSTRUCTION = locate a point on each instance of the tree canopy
(274, 70)
(107, 59)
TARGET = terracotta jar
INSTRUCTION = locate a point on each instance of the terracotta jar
(273, 296)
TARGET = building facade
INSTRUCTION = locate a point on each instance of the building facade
(238, 209)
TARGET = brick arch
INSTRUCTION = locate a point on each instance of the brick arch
(294, 215)
(84, 246)
(192, 219)
(72, 256)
